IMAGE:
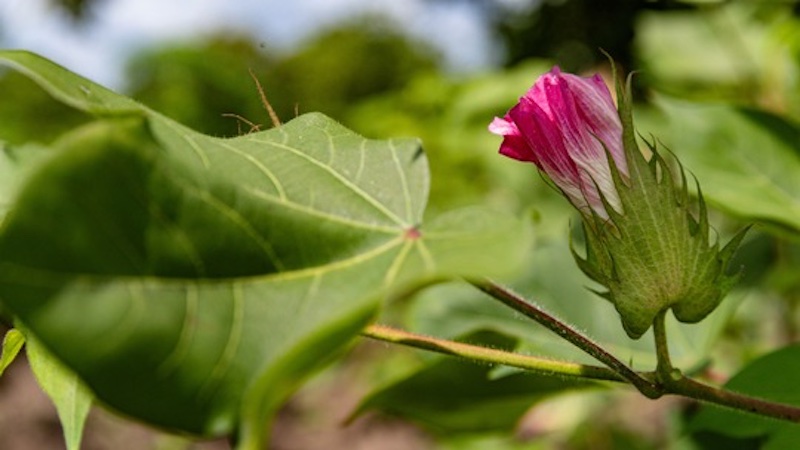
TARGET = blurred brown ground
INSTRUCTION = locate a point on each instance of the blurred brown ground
(312, 420)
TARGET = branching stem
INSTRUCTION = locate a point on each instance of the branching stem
(570, 334)
(672, 381)
(665, 380)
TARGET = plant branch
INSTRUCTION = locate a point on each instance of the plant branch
(477, 353)
(690, 388)
(673, 381)
(567, 332)
(666, 379)
(674, 384)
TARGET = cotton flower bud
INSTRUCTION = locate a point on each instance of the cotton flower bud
(643, 242)
(567, 126)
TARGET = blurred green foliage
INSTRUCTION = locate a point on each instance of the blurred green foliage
(198, 84)
(740, 59)
(744, 53)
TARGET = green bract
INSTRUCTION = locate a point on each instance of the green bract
(655, 254)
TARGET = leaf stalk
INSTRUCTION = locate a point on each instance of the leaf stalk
(535, 364)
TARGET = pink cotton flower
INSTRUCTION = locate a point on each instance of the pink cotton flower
(562, 125)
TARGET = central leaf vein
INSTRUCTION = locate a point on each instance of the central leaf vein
(403, 181)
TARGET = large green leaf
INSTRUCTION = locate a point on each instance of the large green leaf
(193, 281)
(747, 161)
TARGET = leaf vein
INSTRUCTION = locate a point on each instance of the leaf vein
(322, 214)
(261, 167)
(403, 182)
(241, 222)
(188, 326)
(394, 269)
(344, 181)
(228, 355)
(181, 133)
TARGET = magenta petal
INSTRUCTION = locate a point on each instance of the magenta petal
(514, 145)
(565, 124)
(543, 137)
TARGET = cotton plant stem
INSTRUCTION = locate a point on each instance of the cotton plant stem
(677, 384)
(483, 354)
(664, 369)
(647, 387)
(666, 380)
(687, 387)
(674, 382)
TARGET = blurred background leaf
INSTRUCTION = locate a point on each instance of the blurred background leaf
(746, 160)
(757, 379)
(70, 396)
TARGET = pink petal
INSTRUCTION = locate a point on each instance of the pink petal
(565, 124)
(544, 139)
(503, 127)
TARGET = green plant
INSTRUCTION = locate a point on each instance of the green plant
(194, 282)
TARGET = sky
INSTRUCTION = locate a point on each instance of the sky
(119, 28)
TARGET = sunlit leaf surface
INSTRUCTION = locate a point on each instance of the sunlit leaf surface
(193, 281)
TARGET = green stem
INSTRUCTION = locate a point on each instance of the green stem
(477, 353)
(675, 383)
(695, 390)
(521, 305)
(664, 369)
(666, 379)
(672, 381)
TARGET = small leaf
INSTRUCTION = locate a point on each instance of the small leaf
(71, 398)
(12, 344)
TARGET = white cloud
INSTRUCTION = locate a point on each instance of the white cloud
(35, 25)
